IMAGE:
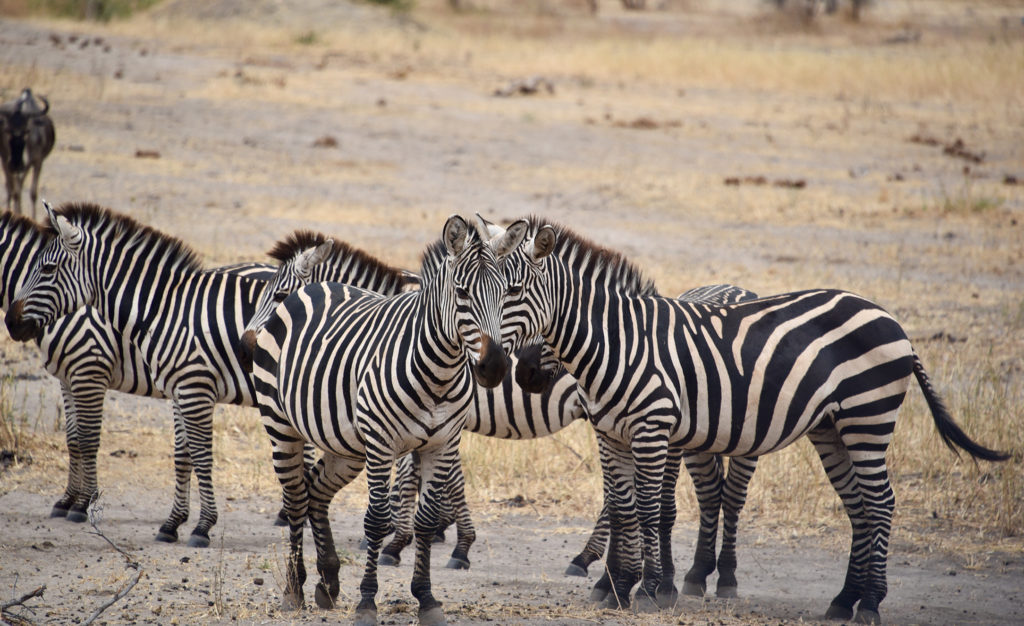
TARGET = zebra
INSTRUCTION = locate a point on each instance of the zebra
(368, 378)
(659, 377)
(184, 324)
(505, 412)
(87, 357)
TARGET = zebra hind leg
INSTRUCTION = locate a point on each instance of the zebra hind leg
(327, 477)
(706, 471)
(734, 496)
(168, 532)
(594, 549)
(403, 503)
(453, 504)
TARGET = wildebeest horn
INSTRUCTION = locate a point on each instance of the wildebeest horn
(46, 105)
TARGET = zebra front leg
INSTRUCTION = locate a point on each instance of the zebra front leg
(88, 405)
(376, 526)
(453, 502)
(168, 532)
(667, 594)
(308, 460)
(650, 457)
(63, 505)
(705, 470)
(437, 469)
(288, 466)
(403, 503)
(624, 558)
(327, 477)
(198, 406)
(734, 496)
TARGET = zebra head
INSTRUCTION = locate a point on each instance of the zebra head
(293, 274)
(471, 289)
(57, 283)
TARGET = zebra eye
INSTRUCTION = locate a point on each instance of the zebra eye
(49, 268)
(461, 293)
(280, 296)
(515, 290)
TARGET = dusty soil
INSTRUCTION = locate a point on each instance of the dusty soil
(230, 145)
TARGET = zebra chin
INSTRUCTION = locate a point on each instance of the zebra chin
(490, 369)
(246, 347)
(21, 329)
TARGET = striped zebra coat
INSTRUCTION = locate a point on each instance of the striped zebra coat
(506, 412)
(659, 377)
(87, 356)
(368, 379)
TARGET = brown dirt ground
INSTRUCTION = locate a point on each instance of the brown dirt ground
(635, 163)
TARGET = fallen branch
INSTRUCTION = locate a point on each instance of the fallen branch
(38, 591)
(95, 513)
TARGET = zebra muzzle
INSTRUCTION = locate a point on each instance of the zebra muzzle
(20, 328)
(490, 369)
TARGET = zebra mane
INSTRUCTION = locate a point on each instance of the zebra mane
(436, 253)
(301, 240)
(595, 262)
(21, 225)
(94, 218)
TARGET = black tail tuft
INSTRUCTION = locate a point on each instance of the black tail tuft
(952, 435)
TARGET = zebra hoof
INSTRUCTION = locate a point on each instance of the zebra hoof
(598, 595)
(364, 544)
(388, 561)
(575, 570)
(454, 563)
(77, 516)
(727, 592)
(198, 541)
(693, 589)
(839, 613)
(667, 598)
(867, 616)
(644, 603)
(167, 537)
(323, 598)
(613, 603)
(280, 521)
(432, 617)
(366, 617)
(58, 511)
(291, 602)
(438, 538)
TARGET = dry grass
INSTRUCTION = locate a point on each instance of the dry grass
(803, 81)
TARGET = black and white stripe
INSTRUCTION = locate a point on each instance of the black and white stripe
(367, 379)
(87, 356)
(660, 377)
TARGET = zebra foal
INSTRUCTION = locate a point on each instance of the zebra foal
(659, 377)
(368, 379)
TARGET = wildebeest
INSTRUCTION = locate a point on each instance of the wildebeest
(26, 138)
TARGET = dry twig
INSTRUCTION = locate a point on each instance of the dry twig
(95, 513)
(13, 617)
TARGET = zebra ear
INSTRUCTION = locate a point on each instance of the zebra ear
(314, 256)
(455, 235)
(543, 243)
(68, 232)
(511, 239)
(492, 229)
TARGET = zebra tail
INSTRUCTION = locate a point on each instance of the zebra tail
(952, 435)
